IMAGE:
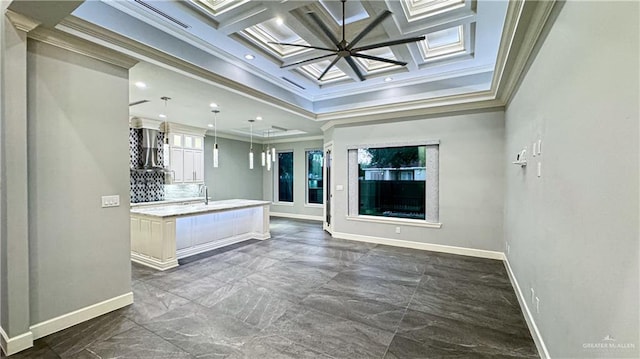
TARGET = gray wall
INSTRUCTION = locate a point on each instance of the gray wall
(299, 180)
(574, 231)
(78, 151)
(232, 178)
(14, 228)
(471, 178)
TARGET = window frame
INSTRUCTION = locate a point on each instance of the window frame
(276, 179)
(432, 218)
(306, 172)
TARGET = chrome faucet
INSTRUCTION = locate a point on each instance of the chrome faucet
(204, 190)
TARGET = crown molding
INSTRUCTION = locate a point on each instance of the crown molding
(297, 139)
(72, 43)
(107, 38)
(140, 122)
(233, 137)
(526, 21)
(475, 103)
(172, 127)
(20, 21)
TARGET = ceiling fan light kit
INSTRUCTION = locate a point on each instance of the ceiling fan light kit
(347, 50)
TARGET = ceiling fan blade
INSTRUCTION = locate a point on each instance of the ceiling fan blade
(324, 28)
(329, 67)
(382, 59)
(388, 43)
(298, 45)
(369, 27)
(305, 61)
(354, 67)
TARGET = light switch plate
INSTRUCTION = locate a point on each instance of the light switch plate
(110, 201)
(339, 187)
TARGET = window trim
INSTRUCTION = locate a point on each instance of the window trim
(306, 178)
(432, 185)
(276, 180)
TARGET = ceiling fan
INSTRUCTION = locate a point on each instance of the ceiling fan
(347, 50)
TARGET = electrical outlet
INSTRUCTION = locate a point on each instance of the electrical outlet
(110, 201)
(398, 230)
(537, 305)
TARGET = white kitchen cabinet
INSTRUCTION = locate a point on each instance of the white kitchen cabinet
(187, 157)
(177, 164)
(198, 166)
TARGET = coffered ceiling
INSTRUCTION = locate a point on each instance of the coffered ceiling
(234, 40)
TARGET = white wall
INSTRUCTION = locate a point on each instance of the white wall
(232, 178)
(299, 206)
(471, 178)
(574, 231)
(78, 152)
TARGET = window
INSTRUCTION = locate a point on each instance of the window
(284, 183)
(314, 176)
(395, 181)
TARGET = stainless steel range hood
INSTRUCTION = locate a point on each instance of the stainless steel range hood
(150, 150)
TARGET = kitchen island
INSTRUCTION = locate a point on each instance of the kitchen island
(162, 234)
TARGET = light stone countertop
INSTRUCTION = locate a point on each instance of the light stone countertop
(168, 201)
(175, 210)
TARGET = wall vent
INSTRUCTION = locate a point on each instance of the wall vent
(162, 13)
(138, 102)
(294, 84)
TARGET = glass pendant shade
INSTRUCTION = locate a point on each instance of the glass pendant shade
(215, 155)
(264, 158)
(251, 160)
(273, 154)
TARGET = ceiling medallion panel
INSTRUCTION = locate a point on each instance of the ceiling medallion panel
(419, 9)
(218, 7)
(442, 43)
(314, 70)
(268, 34)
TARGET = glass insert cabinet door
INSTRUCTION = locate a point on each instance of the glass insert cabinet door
(314, 177)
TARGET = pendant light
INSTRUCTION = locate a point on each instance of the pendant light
(268, 152)
(165, 144)
(215, 137)
(251, 144)
(263, 155)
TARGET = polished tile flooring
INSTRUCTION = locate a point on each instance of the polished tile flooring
(303, 294)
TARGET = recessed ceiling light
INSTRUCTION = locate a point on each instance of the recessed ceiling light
(213, 105)
(210, 125)
(162, 115)
(259, 118)
(279, 21)
(249, 57)
(388, 79)
(141, 85)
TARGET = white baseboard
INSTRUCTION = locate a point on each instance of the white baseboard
(81, 315)
(423, 246)
(153, 263)
(531, 323)
(297, 216)
(15, 344)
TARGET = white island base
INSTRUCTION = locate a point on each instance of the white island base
(160, 235)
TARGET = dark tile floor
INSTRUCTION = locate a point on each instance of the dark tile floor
(303, 294)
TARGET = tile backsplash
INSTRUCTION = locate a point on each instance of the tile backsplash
(147, 186)
(177, 191)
